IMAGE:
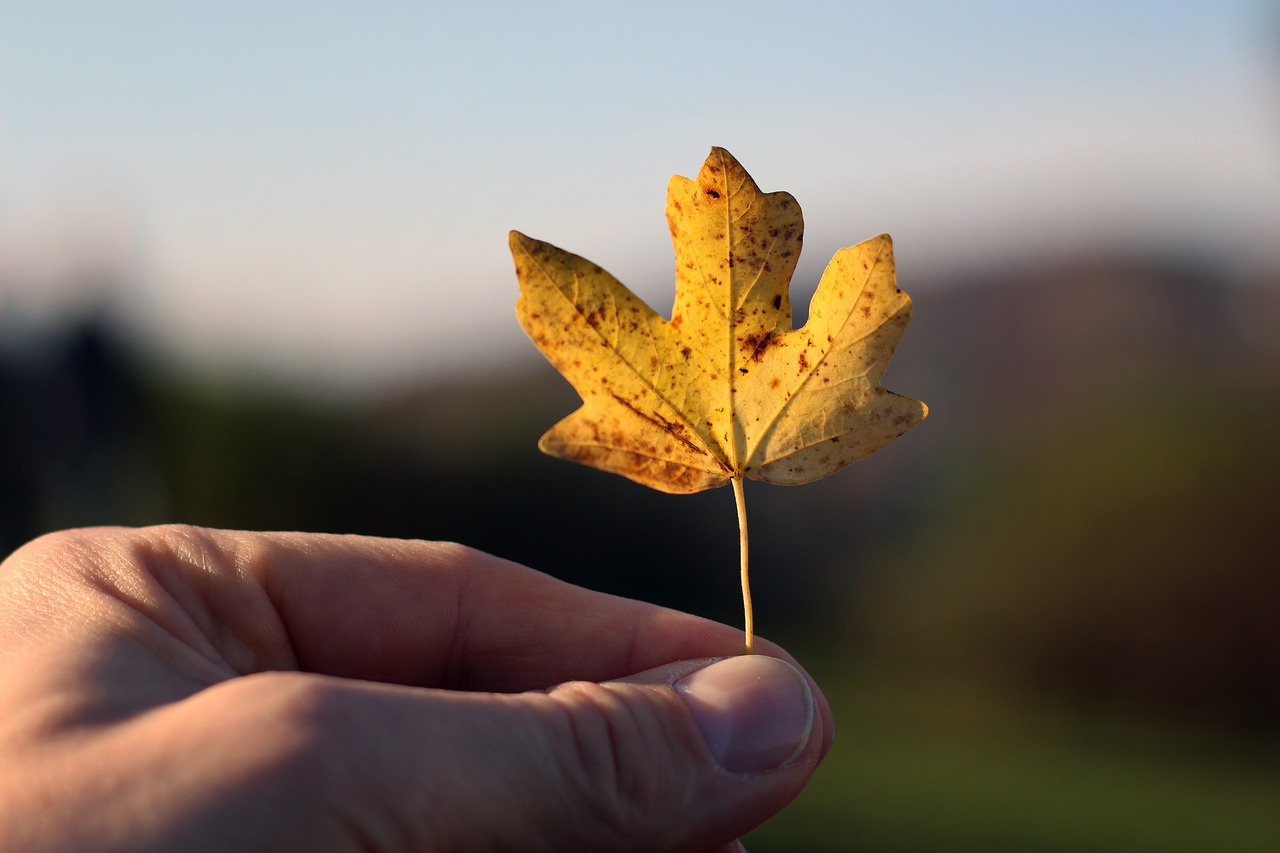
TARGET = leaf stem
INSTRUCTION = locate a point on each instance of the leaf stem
(748, 623)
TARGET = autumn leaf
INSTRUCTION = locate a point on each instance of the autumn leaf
(725, 389)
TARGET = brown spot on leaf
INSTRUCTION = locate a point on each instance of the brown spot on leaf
(675, 429)
(777, 300)
(756, 344)
(712, 193)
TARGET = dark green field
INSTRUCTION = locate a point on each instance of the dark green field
(921, 769)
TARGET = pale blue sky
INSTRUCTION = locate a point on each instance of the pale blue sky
(324, 189)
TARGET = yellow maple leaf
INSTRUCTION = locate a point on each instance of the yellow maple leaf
(725, 389)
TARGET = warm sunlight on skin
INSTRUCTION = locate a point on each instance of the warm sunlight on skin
(184, 688)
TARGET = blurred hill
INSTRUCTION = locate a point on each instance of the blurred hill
(1088, 511)
(1099, 518)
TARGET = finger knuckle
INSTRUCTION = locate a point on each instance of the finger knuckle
(622, 761)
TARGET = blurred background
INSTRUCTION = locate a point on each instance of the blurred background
(253, 273)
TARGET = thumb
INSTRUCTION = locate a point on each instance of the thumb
(685, 757)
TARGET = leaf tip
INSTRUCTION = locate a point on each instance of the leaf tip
(724, 156)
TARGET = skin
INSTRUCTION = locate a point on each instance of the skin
(178, 688)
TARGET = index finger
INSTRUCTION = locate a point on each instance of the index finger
(442, 615)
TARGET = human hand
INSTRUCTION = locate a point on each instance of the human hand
(178, 688)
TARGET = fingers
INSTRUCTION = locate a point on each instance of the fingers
(442, 615)
(686, 755)
(408, 612)
(411, 612)
(684, 758)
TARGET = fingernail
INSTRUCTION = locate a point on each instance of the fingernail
(754, 712)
